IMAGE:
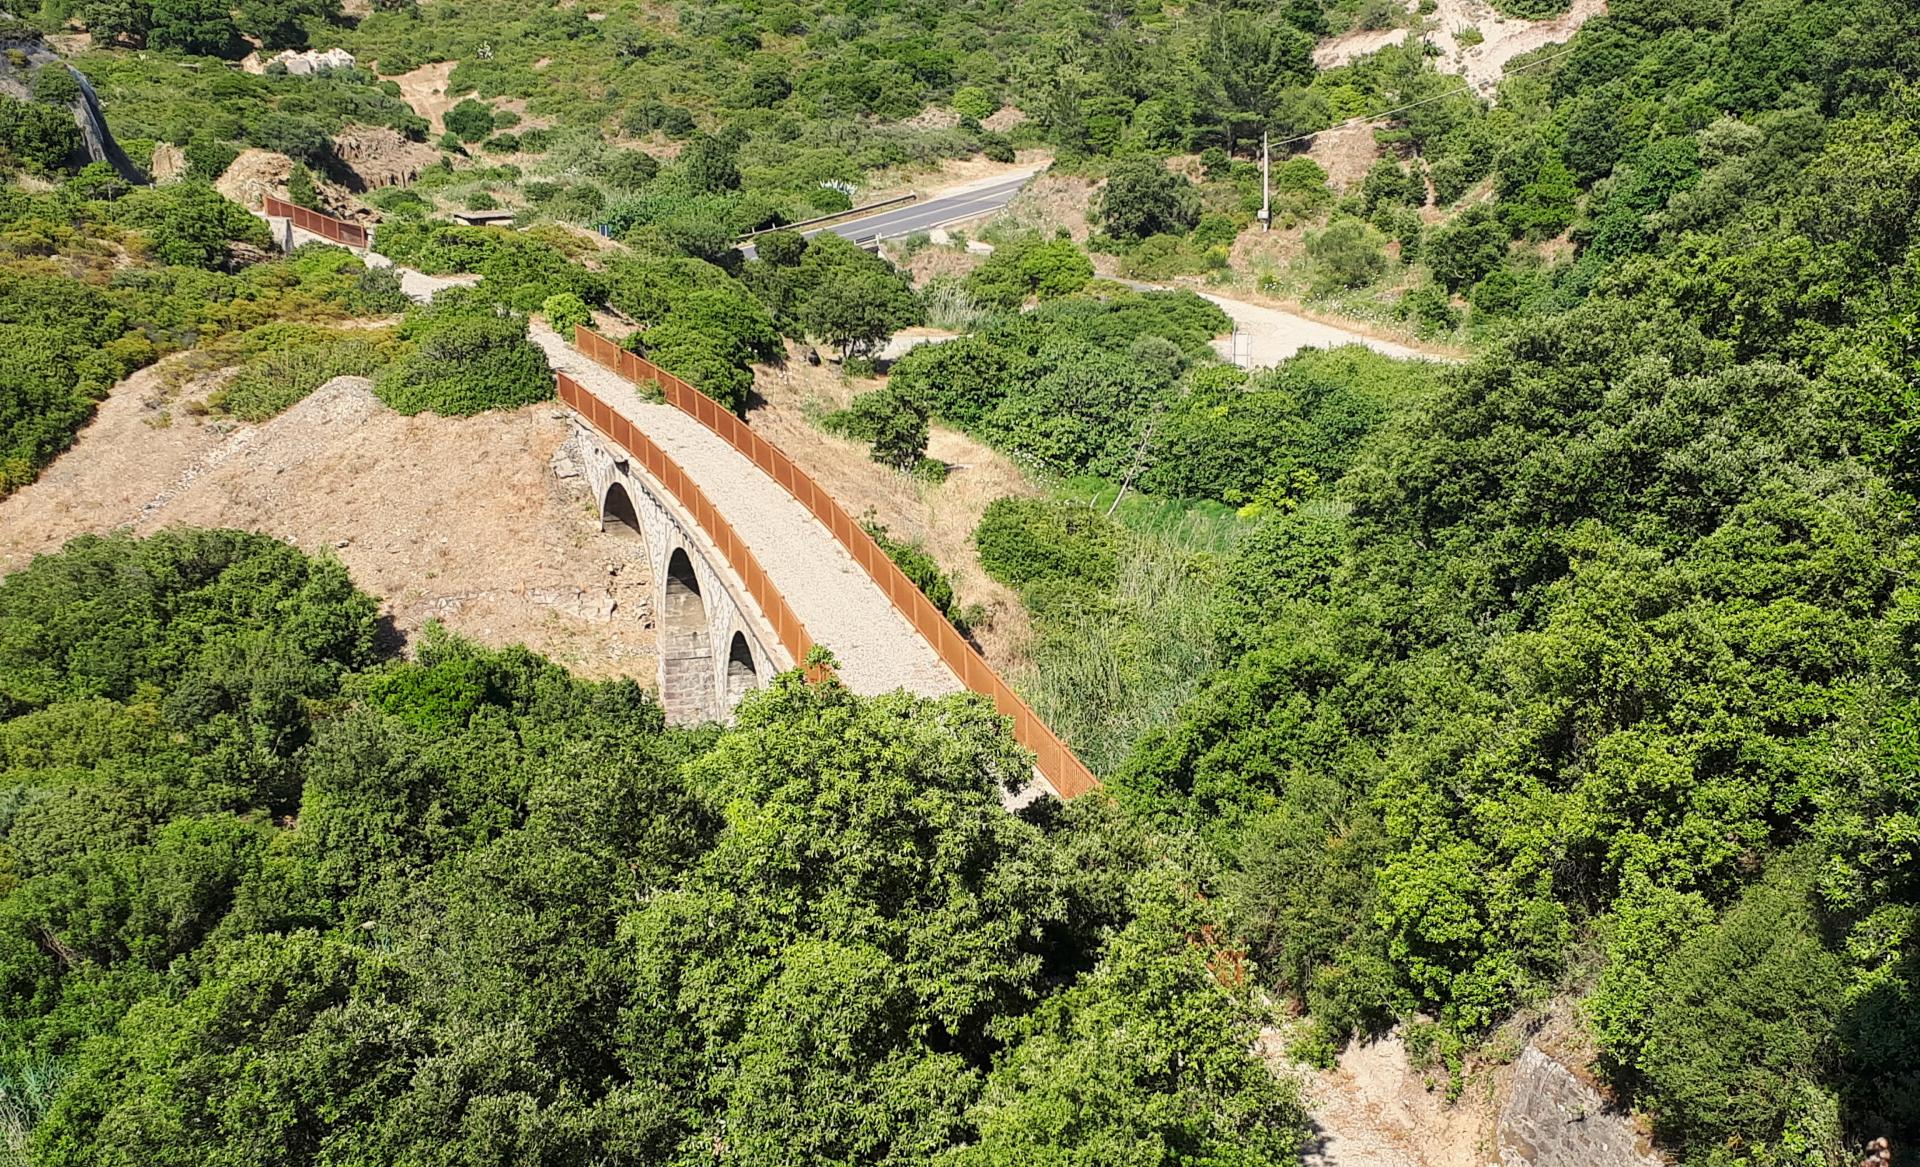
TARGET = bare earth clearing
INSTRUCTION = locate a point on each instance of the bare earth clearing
(1374, 1109)
(1482, 64)
(425, 89)
(457, 519)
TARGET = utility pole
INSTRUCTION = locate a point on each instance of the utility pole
(1266, 184)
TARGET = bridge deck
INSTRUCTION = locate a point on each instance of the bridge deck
(840, 605)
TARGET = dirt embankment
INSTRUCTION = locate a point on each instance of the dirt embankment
(1050, 202)
(463, 520)
(425, 89)
(380, 156)
(255, 174)
(1483, 62)
(1375, 1108)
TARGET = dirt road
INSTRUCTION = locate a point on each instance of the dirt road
(1265, 336)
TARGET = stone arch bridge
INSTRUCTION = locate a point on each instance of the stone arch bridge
(715, 643)
(756, 563)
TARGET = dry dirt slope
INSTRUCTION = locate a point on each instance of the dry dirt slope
(459, 519)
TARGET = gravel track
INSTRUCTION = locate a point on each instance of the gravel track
(840, 605)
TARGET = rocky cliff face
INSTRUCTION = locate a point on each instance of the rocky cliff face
(22, 54)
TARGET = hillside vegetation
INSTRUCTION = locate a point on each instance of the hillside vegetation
(271, 898)
(1582, 671)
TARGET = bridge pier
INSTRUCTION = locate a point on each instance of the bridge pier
(715, 646)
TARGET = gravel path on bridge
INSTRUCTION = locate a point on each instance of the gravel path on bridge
(840, 605)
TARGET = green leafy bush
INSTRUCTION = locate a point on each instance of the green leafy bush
(1024, 541)
(189, 223)
(55, 85)
(1142, 197)
(465, 358)
(971, 101)
(516, 268)
(470, 120)
(1061, 385)
(37, 134)
(1348, 254)
(1029, 268)
(554, 891)
(917, 565)
(564, 312)
(851, 298)
(895, 426)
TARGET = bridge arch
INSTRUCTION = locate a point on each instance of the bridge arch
(712, 647)
(743, 673)
(618, 515)
(686, 653)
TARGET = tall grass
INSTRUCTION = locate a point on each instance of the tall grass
(949, 306)
(1192, 525)
(273, 381)
(27, 1087)
(1106, 670)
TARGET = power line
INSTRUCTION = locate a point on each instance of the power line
(1364, 118)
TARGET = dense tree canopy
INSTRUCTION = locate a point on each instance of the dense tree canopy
(272, 897)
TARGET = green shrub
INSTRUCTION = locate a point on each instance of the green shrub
(1028, 268)
(1142, 197)
(40, 135)
(208, 157)
(1737, 1014)
(470, 120)
(189, 223)
(895, 425)
(466, 360)
(971, 101)
(54, 84)
(996, 147)
(564, 311)
(1348, 254)
(852, 299)
(377, 291)
(914, 562)
(705, 361)
(1460, 253)
(300, 189)
(629, 169)
(781, 248)
(1431, 310)
(1025, 541)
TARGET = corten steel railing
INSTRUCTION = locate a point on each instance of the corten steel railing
(1068, 774)
(325, 226)
(665, 471)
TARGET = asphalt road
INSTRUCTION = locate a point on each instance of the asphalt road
(926, 214)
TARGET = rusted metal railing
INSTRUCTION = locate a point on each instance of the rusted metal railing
(326, 226)
(1066, 772)
(786, 626)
